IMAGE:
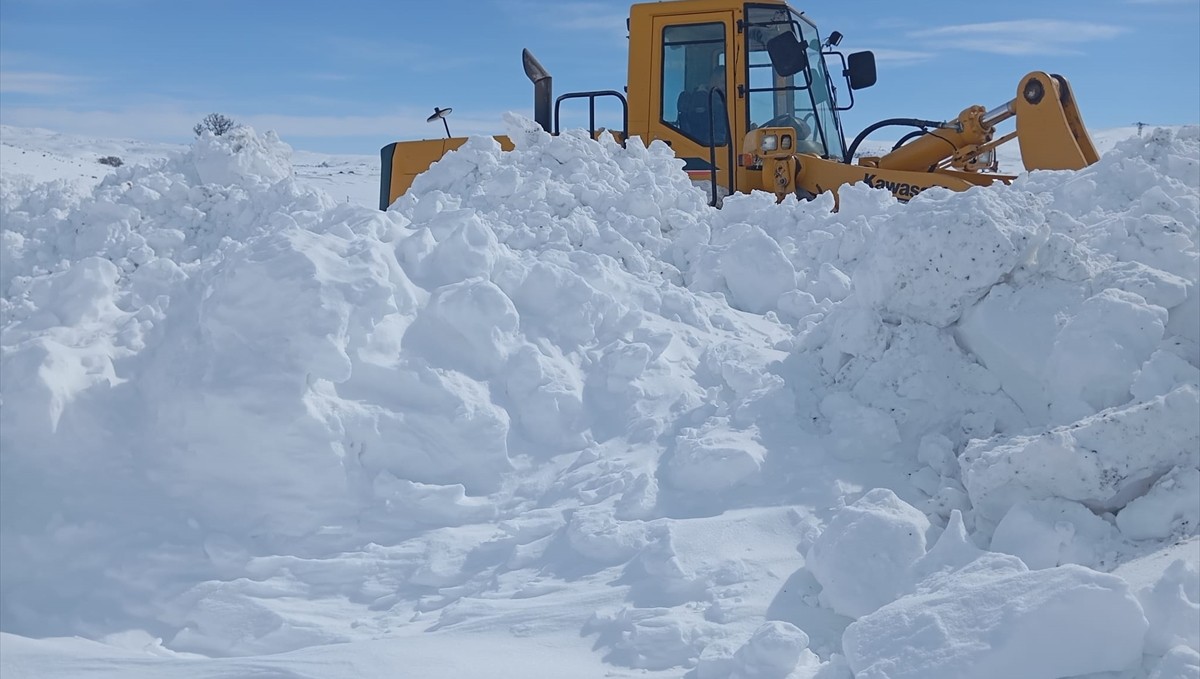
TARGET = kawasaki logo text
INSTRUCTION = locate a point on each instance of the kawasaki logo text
(899, 189)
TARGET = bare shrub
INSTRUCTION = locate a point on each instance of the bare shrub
(217, 123)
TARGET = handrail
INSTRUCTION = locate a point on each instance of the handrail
(591, 96)
(712, 141)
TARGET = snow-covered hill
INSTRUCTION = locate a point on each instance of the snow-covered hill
(553, 416)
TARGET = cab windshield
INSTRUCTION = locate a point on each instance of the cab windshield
(801, 101)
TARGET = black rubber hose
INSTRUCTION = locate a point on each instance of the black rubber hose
(910, 135)
(905, 122)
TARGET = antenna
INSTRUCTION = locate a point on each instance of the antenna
(440, 114)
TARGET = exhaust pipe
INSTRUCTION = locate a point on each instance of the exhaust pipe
(542, 88)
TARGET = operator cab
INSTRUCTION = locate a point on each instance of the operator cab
(788, 81)
(720, 70)
(796, 92)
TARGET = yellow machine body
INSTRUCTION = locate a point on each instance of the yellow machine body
(404, 160)
(708, 78)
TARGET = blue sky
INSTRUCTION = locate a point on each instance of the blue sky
(349, 77)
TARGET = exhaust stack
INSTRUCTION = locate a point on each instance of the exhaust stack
(542, 88)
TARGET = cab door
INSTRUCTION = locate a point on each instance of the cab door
(692, 53)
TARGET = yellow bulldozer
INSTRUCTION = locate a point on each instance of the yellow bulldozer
(745, 95)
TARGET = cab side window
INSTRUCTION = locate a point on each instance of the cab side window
(694, 62)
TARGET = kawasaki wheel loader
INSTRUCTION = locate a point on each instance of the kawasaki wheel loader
(743, 93)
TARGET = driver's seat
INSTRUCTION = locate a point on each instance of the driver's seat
(694, 117)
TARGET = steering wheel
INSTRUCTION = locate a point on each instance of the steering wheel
(803, 129)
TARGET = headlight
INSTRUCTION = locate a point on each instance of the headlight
(786, 142)
(769, 142)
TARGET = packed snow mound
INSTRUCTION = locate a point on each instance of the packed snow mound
(550, 389)
(220, 193)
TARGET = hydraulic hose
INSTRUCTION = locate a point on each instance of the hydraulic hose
(889, 122)
(911, 135)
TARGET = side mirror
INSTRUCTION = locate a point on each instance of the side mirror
(788, 56)
(860, 70)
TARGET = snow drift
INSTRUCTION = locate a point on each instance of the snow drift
(551, 390)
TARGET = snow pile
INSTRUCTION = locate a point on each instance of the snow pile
(551, 392)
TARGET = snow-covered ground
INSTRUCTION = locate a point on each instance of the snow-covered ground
(36, 155)
(553, 416)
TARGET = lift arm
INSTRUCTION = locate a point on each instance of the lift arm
(1049, 130)
(956, 155)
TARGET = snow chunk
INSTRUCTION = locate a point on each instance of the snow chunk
(223, 620)
(1170, 506)
(1172, 607)
(240, 156)
(426, 503)
(1012, 332)
(1053, 532)
(1099, 351)
(773, 652)
(547, 398)
(469, 326)
(597, 536)
(650, 638)
(52, 370)
(1159, 288)
(863, 556)
(858, 432)
(442, 428)
(749, 266)
(1046, 624)
(714, 458)
(1103, 461)
(945, 253)
(1061, 354)
(1180, 662)
(1162, 373)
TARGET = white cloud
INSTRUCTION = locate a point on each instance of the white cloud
(408, 56)
(899, 57)
(598, 18)
(38, 82)
(1024, 37)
